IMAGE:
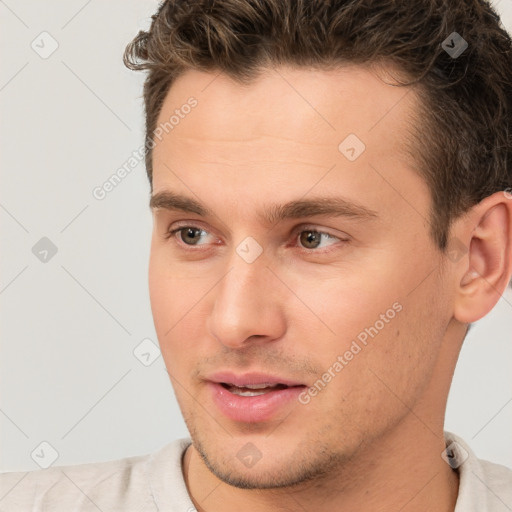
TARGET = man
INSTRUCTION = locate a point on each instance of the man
(332, 196)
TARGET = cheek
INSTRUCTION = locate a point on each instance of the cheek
(172, 293)
(377, 293)
(387, 337)
(397, 357)
(372, 377)
(178, 307)
(342, 302)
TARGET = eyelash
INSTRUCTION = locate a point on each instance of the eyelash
(171, 234)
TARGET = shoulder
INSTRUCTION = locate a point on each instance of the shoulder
(483, 486)
(123, 484)
(497, 480)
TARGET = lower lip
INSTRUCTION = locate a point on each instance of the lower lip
(251, 409)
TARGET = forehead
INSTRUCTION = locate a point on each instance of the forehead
(309, 102)
(289, 125)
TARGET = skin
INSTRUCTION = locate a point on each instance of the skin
(372, 439)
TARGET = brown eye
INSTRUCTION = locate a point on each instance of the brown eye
(191, 236)
(317, 241)
(310, 239)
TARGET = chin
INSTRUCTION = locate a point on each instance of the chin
(297, 468)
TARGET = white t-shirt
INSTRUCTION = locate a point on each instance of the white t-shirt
(154, 482)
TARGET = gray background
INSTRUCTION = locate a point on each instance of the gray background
(69, 326)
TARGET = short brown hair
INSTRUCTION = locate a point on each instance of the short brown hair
(463, 134)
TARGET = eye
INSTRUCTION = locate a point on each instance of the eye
(307, 239)
(189, 235)
(312, 239)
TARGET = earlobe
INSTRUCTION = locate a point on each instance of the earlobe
(487, 269)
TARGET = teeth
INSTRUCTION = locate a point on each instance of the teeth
(258, 386)
(240, 392)
(253, 389)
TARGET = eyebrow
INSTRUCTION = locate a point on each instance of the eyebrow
(272, 213)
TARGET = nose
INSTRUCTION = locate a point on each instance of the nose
(247, 306)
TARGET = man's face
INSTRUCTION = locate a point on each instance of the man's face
(350, 305)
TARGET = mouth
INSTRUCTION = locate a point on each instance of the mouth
(254, 397)
(254, 389)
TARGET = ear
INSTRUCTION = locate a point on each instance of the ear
(483, 275)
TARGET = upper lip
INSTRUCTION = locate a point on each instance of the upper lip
(250, 379)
